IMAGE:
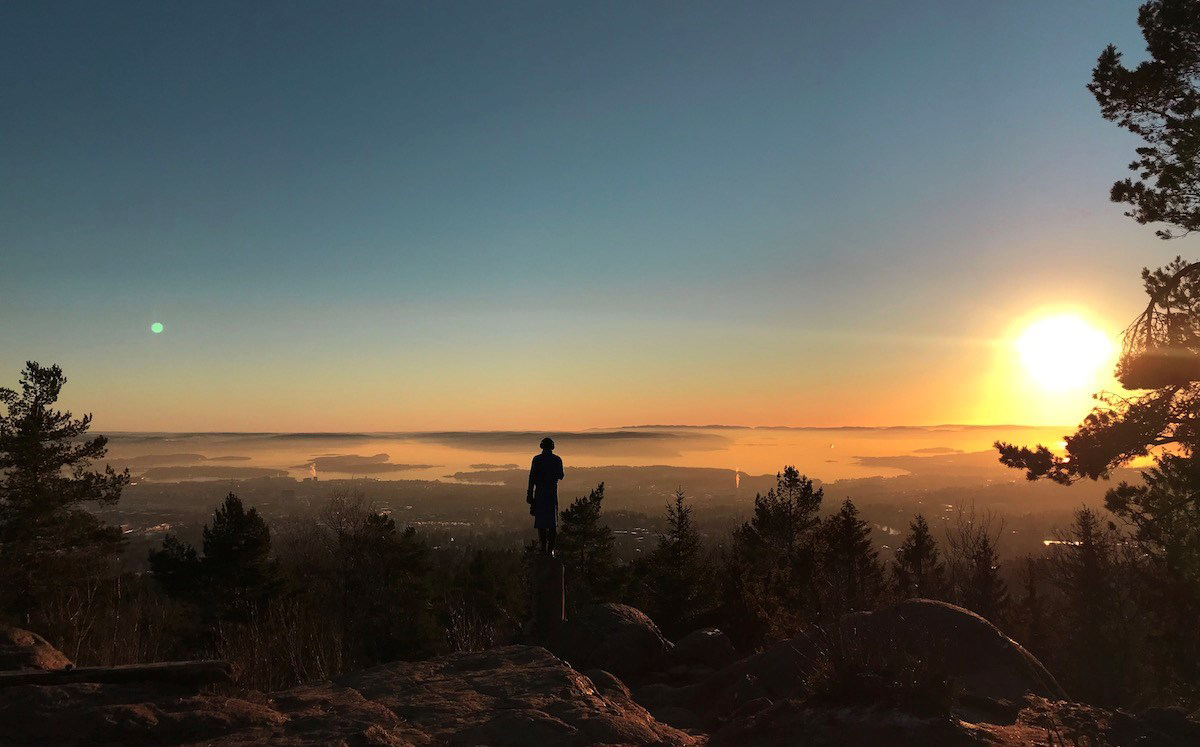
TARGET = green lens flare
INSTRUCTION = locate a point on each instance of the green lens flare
(156, 328)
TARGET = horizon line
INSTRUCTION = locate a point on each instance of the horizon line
(713, 426)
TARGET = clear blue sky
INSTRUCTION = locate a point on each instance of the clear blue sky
(385, 215)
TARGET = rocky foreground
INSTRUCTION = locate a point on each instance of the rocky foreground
(917, 673)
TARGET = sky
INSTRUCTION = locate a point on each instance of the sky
(414, 215)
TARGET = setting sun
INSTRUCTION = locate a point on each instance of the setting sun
(1064, 352)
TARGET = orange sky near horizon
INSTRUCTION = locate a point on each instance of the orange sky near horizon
(855, 380)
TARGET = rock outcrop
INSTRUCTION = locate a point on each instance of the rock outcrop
(614, 637)
(708, 647)
(23, 650)
(515, 695)
(993, 671)
(777, 672)
(968, 649)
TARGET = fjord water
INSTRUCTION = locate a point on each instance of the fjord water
(826, 453)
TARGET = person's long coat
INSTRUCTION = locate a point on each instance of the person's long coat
(544, 474)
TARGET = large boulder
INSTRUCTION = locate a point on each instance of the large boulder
(614, 637)
(21, 649)
(947, 642)
(774, 673)
(707, 647)
(957, 643)
(515, 695)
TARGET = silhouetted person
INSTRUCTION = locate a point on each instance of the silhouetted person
(544, 474)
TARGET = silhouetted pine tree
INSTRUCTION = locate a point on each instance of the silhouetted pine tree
(852, 575)
(235, 573)
(1031, 623)
(768, 571)
(586, 548)
(388, 589)
(176, 567)
(48, 541)
(236, 565)
(917, 570)
(985, 591)
(1164, 512)
(1085, 569)
(1159, 101)
(677, 573)
(975, 565)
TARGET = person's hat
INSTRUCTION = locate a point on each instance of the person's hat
(547, 443)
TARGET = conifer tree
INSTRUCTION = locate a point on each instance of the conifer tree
(176, 567)
(586, 547)
(677, 573)
(975, 565)
(852, 575)
(1032, 621)
(985, 591)
(380, 577)
(47, 537)
(235, 573)
(1164, 515)
(388, 591)
(1098, 611)
(917, 570)
(237, 547)
(768, 572)
(1159, 101)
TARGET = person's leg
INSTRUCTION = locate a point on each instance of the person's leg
(551, 534)
(542, 538)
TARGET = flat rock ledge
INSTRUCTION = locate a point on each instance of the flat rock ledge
(514, 695)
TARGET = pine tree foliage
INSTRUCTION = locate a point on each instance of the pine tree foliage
(677, 571)
(176, 567)
(1163, 513)
(1085, 567)
(586, 547)
(234, 575)
(1031, 609)
(47, 537)
(1159, 101)
(985, 591)
(917, 570)
(852, 574)
(237, 548)
(769, 574)
(976, 580)
(386, 576)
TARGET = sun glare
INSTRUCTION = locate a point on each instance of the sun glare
(1064, 352)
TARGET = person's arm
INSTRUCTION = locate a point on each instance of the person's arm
(560, 468)
(532, 477)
